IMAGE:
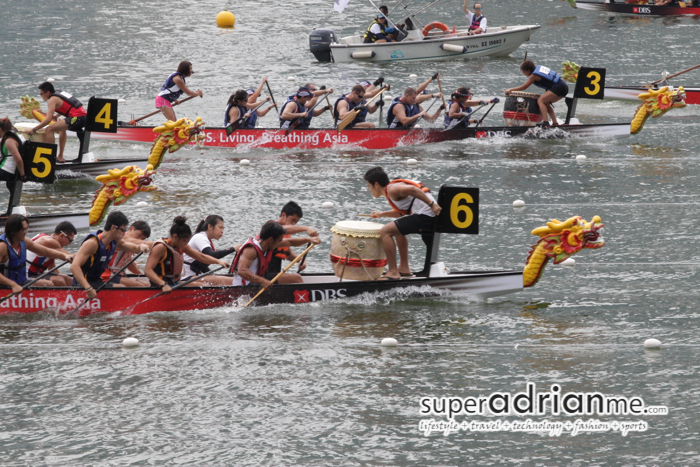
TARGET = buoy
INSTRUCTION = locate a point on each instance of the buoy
(130, 342)
(411, 162)
(518, 203)
(387, 97)
(389, 342)
(225, 19)
(51, 80)
(291, 78)
(652, 344)
(568, 262)
(121, 101)
(327, 205)
(413, 76)
(141, 204)
(245, 162)
(580, 157)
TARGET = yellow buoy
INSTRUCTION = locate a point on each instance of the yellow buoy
(225, 19)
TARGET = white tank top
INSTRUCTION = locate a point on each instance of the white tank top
(419, 207)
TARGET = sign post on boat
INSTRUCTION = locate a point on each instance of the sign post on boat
(101, 115)
(40, 162)
(590, 84)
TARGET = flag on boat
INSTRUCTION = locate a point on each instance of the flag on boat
(340, 5)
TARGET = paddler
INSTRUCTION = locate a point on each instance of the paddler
(350, 102)
(253, 96)
(238, 106)
(96, 253)
(138, 232)
(549, 80)
(62, 236)
(11, 163)
(173, 88)
(298, 106)
(289, 218)
(164, 265)
(209, 229)
(405, 111)
(253, 258)
(13, 254)
(62, 103)
(416, 209)
(459, 108)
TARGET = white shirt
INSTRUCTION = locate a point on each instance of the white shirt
(375, 29)
(198, 242)
(482, 23)
(418, 207)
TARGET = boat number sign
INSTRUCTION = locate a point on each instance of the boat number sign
(460, 210)
(590, 83)
(101, 115)
(40, 162)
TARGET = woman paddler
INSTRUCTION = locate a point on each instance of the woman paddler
(11, 164)
(164, 265)
(211, 228)
(13, 254)
(173, 88)
(554, 85)
(459, 108)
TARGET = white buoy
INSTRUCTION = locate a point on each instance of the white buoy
(389, 342)
(568, 262)
(652, 344)
(387, 97)
(413, 76)
(245, 162)
(327, 205)
(141, 204)
(291, 78)
(51, 80)
(121, 101)
(130, 342)
(580, 157)
(518, 203)
(411, 162)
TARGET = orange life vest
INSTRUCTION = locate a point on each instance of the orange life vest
(419, 185)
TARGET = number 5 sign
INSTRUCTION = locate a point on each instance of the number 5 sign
(40, 162)
(101, 115)
(460, 210)
(590, 83)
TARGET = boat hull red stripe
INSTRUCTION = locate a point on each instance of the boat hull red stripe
(642, 10)
(357, 263)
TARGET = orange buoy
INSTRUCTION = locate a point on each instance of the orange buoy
(435, 25)
(225, 19)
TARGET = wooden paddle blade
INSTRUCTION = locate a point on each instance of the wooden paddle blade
(348, 120)
(233, 127)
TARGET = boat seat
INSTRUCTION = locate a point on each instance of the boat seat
(351, 40)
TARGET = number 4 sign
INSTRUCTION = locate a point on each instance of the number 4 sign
(102, 115)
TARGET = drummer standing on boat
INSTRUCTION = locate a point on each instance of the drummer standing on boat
(173, 88)
(477, 21)
(554, 85)
(64, 104)
(416, 209)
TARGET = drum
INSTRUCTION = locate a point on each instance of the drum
(24, 127)
(521, 109)
(356, 250)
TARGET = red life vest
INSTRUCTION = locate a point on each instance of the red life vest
(476, 23)
(171, 266)
(264, 258)
(403, 212)
(41, 264)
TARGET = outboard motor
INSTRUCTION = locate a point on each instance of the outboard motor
(320, 41)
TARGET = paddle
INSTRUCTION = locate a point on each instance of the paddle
(353, 113)
(133, 122)
(24, 287)
(298, 120)
(303, 260)
(673, 76)
(441, 93)
(487, 112)
(451, 127)
(181, 284)
(280, 274)
(233, 126)
(270, 92)
(422, 116)
(104, 284)
(381, 109)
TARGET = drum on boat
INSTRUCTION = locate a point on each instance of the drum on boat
(356, 250)
(521, 109)
(24, 127)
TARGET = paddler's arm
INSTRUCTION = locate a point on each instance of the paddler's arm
(49, 116)
(343, 109)
(295, 229)
(247, 257)
(87, 249)
(425, 84)
(400, 113)
(41, 250)
(530, 80)
(183, 87)
(299, 241)
(287, 114)
(391, 213)
(123, 245)
(426, 97)
(433, 117)
(404, 190)
(254, 97)
(16, 288)
(158, 253)
(202, 258)
(263, 112)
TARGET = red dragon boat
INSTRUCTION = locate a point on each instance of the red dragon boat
(640, 9)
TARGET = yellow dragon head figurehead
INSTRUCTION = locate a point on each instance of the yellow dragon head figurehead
(117, 187)
(656, 103)
(559, 241)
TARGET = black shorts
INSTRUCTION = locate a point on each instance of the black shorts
(415, 223)
(76, 123)
(561, 89)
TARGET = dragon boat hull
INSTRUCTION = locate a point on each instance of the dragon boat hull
(631, 93)
(321, 287)
(98, 167)
(366, 138)
(639, 10)
(44, 222)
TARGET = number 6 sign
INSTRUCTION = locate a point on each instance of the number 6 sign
(460, 210)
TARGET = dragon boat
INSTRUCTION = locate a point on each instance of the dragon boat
(631, 93)
(642, 8)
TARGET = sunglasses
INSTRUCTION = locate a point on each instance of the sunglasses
(477, 8)
(70, 240)
(122, 229)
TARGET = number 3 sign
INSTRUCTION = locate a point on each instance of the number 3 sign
(590, 83)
